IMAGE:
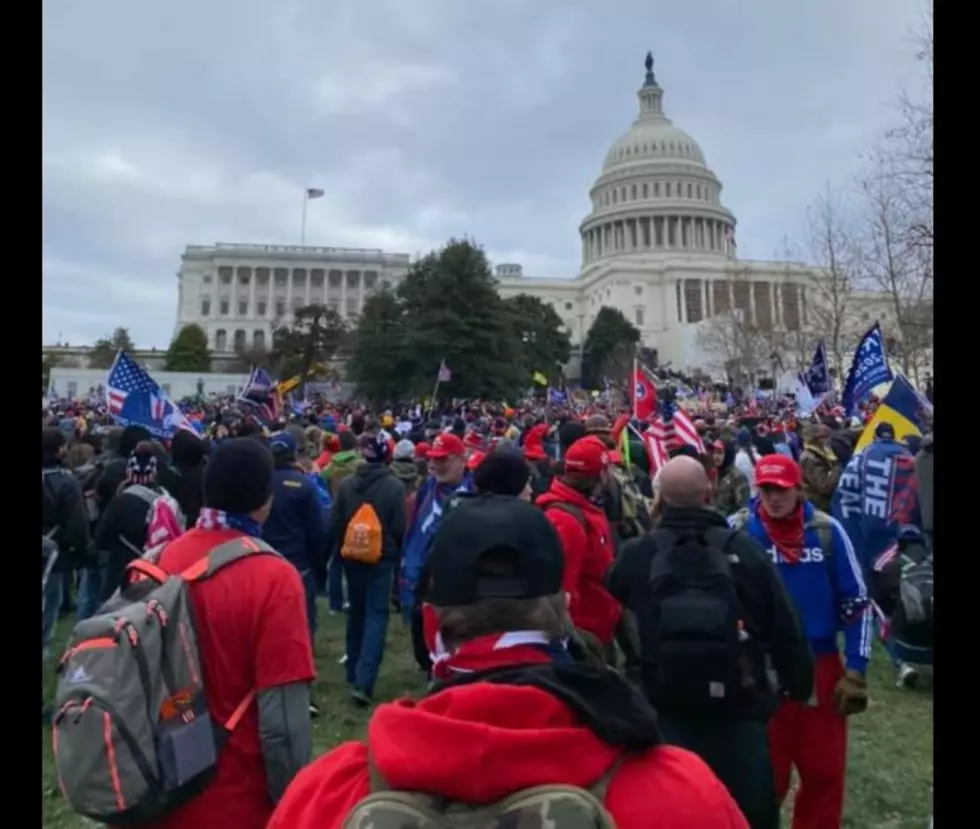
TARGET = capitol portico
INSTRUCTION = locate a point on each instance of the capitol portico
(659, 245)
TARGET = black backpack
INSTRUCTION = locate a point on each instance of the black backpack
(698, 648)
(912, 619)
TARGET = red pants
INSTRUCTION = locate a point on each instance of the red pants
(814, 739)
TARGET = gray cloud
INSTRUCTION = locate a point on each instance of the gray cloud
(195, 122)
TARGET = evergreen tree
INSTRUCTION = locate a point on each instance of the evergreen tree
(379, 362)
(609, 349)
(189, 350)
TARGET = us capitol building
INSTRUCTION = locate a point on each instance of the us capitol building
(658, 244)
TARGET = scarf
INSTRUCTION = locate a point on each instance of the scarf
(486, 653)
(786, 533)
(215, 519)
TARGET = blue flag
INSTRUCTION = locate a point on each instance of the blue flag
(817, 376)
(259, 394)
(136, 399)
(869, 368)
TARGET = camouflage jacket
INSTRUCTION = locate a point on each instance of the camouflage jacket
(732, 492)
(820, 476)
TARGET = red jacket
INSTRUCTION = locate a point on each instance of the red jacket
(479, 743)
(588, 555)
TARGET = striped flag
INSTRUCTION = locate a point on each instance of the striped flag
(656, 451)
(661, 438)
(314, 193)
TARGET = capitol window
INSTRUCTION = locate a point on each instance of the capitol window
(639, 316)
(698, 191)
(634, 191)
(638, 289)
(656, 189)
(224, 272)
(624, 193)
(689, 191)
(205, 307)
(224, 308)
(243, 308)
(646, 191)
(667, 185)
(280, 309)
(568, 306)
(208, 279)
(615, 196)
(261, 309)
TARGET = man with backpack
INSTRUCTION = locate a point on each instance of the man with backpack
(571, 504)
(367, 527)
(64, 533)
(514, 733)
(719, 639)
(184, 703)
(823, 576)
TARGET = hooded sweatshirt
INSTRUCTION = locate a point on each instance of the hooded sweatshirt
(482, 740)
(341, 466)
(371, 483)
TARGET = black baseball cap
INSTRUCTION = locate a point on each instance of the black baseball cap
(481, 524)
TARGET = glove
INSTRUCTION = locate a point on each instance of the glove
(851, 694)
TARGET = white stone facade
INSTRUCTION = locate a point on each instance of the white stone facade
(235, 292)
(659, 245)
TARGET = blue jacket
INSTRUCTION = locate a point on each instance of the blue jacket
(875, 497)
(295, 525)
(827, 588)
(426, 517)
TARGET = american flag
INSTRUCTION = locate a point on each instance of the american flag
(445, 375)
(314, 193)
(663, 436)
(260, 394)
(127, 377)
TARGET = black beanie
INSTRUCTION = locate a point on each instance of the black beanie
(238, 476)
(502, 473)
(569, 432)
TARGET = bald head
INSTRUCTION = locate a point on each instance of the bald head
(684, 483)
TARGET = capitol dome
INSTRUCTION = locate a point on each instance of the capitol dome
(656, 192)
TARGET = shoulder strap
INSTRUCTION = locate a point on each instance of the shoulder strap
(569, 509)
(663, 539)
(144, 493)
(599, 789)
(225, 554)
(821, 524)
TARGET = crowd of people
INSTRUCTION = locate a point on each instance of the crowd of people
(596, 638)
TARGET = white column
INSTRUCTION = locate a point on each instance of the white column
(306, 288)
(683, 301)
(772, 303)
(704, 299)
(343, 293)
(752, 300)
(251, 295)
(289, 290)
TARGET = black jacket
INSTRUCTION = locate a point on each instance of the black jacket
(375, 484)
(63, 510)
(295, 524)
(120, 537)
(767, 604)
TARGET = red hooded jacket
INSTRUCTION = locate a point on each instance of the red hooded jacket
(588, 555)
(480, 743)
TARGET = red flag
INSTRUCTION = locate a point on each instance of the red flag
(644, 395)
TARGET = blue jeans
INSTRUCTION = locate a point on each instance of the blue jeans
(90, 586)
(369, 595)
(335, 583)
(309, 586)
(54, 594)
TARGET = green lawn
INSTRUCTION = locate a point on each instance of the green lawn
(889, 773)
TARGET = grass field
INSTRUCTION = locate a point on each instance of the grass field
(889, 769)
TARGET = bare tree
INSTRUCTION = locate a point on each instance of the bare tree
(834, 253)
(898, 265)
(735, 346)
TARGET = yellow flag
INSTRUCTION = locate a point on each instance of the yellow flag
(538, 377)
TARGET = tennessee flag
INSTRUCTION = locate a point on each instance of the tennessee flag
(644, 394)
(901, 408)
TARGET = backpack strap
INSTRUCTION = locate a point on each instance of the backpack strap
(225, 554)
(600, 788)
(823, 526)
(569, 509)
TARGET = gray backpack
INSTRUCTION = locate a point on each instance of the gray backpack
(132, 735)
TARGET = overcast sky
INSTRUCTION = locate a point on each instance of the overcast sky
(191, 122)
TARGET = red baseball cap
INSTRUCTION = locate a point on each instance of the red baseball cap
(778, 470)
(587, 455)
(422, 449)
(446, 445)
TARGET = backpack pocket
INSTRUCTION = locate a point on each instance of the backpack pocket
(187, 750)
(103, 772)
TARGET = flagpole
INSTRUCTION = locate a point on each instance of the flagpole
(302, 232)
(633, 389)
(435, 391)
